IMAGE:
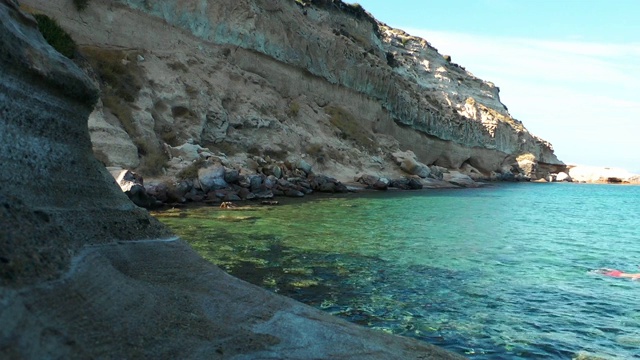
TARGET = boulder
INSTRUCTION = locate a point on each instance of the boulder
(323, 183)
(245, 194)
(255, 182)
(231, 197)
(293, 193)
(472, 172)
(184, 186)
(212, 178)
(327, 187)
(231, 176)
(132, 185)
(304, 166)
(410, 164)
(270, 182)
(459, 179)
(367, 179)
(276, 171)
(506, 176)
(165, 193)
(264, 194)
(187, 152)
(373, 181)
(406, 183)
(284, 183)
(437, 172)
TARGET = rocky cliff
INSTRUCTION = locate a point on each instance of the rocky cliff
(276, 80)
(86, 274)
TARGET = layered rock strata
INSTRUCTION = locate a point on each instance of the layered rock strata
(286, 79)
(84, 273)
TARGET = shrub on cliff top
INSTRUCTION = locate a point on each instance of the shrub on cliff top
(55, 35)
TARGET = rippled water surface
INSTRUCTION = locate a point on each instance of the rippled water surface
(498, 272)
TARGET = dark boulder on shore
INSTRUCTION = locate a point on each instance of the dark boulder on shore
(406, 184)
(216, 183)
(373, 181)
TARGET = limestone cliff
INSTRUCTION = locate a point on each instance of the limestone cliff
(320, 79)
(86, 274)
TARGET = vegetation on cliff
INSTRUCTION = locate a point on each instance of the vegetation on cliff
(56, 36)
(121, 79)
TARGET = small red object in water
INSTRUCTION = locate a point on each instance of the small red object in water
(613, 273)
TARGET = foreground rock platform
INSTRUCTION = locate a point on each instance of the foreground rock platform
(159, 299)
(84, 273)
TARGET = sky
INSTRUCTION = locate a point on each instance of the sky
(568, 69)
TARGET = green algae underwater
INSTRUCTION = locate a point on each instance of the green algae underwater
(490, 273)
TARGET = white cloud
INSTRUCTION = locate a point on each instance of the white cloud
(581, 96)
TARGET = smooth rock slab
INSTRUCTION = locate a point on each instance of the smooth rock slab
(159, 299)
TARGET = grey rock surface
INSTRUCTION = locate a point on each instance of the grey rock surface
(84, 273)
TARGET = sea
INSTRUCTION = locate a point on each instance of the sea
(505, 271)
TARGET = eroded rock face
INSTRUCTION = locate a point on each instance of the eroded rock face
(84, 273)
(360, 89)
(49, 173)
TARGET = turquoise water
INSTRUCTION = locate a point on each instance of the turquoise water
(491, 273)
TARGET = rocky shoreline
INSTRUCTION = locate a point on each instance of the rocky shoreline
(214, 180)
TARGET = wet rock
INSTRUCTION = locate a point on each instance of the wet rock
(293, 193)
(284, 183)
(184, 186)
(212, 178)
(231, 176)
(245, 194)
(264, 194)
(165, 193)
(304, 166)
(406, 184)
(270, 182)
(507, 176)
(231, 197)
(276, 171)
(323, 183)
(255, 182)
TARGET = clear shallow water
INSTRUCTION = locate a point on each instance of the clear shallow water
(499, 272)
